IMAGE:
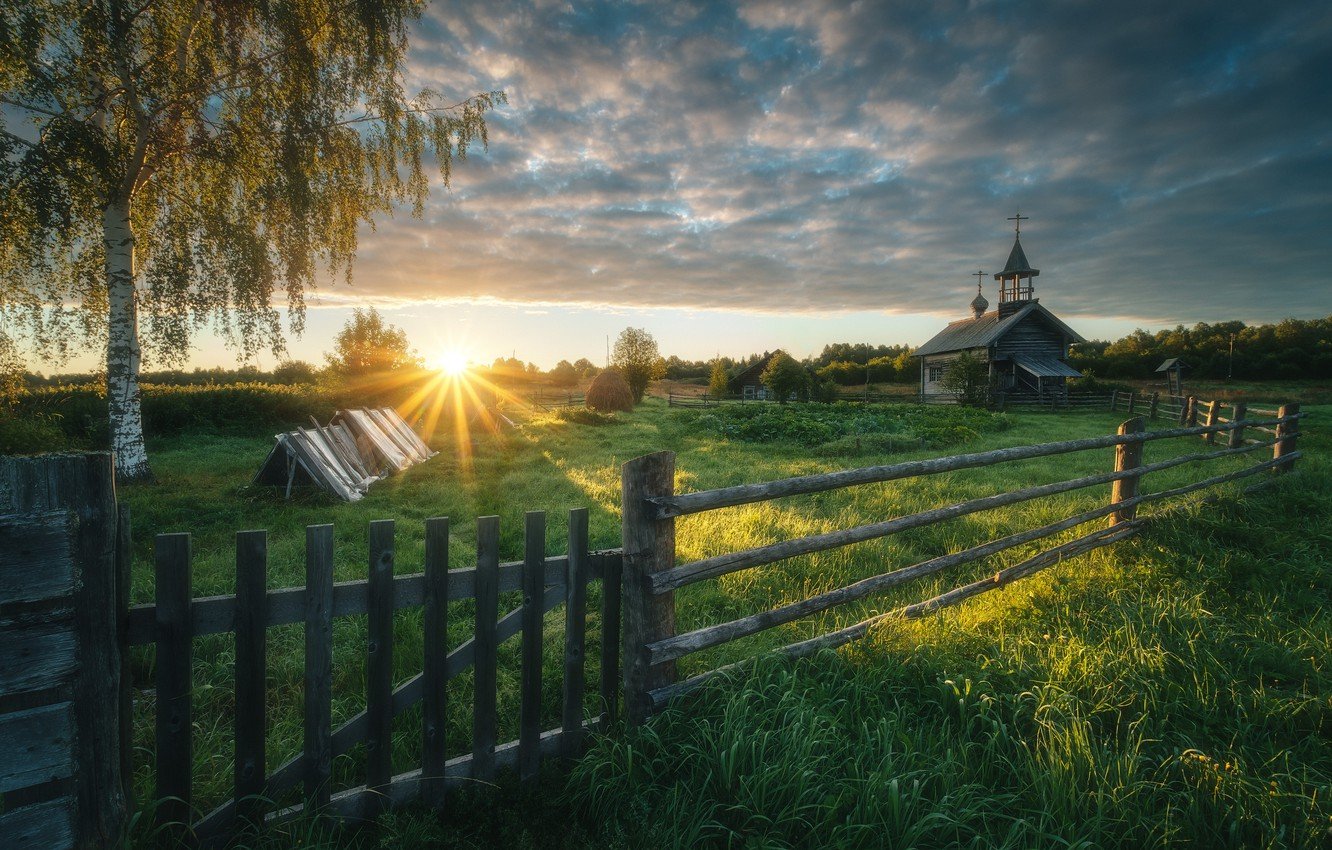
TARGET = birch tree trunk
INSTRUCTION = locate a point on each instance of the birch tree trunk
(122, 346)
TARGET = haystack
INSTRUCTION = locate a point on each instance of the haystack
(609, 391)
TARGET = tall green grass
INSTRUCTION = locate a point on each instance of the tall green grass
(1144, 695)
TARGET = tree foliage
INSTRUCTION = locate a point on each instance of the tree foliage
(637, 358)
(784, 377)
(171, 164)
(719, 382)
(967, 377)
(368, 346)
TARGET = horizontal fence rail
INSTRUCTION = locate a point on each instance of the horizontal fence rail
(545, 582)
(651, 576)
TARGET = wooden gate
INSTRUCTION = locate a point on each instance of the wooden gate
(63, 721)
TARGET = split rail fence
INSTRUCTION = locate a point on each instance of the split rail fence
(175, 620)
(651, 575)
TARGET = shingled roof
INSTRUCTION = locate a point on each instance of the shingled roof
(1017, 263)
(982, 332)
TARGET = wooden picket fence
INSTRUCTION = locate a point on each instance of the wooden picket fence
(1188, 410)
(651, 575)
(175, 620)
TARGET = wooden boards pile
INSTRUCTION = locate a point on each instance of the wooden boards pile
(357, 448)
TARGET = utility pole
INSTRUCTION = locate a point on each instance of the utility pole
(1230, 369)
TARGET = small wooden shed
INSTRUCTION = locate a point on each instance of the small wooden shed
(1174, 372)
(357, 448)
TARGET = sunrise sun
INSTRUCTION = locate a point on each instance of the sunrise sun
(450, 362)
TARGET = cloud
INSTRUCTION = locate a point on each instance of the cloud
(790, 157)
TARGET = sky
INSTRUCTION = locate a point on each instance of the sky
(737, 177)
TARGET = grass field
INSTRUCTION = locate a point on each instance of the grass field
(1169, 691)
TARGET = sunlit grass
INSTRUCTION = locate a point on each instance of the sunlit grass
(1089, 685)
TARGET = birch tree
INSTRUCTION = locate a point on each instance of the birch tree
(172, 164)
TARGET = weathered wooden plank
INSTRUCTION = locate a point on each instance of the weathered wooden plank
(529, 705)
(709, 636)
(1210, 436)
(1286, 437)
(37, 651)
(36, 557)
(215, 614)
(318, 744)
(41, 826)
(353, 732)
(434, 754)
(36, 746)
(174, 653)
(251, 670)
(391, 433)
(649, 552)
(1239, 413)
(831, 640)
(485, 646)
(575, 632)
(610, 635)
(706, 500)
(379, 661)
(731, 562)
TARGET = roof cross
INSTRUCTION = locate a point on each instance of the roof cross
(979, 277)
(1019, 218)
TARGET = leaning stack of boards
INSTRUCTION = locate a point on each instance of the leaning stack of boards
(354, 450)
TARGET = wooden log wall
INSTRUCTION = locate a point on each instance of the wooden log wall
(174, 620)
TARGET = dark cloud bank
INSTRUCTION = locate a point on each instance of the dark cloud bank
(1174, 157)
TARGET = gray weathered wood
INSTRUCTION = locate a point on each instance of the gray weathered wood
(831, 640)
(1210, 421)
(610, 636)
(251, 670)
(216, 614)
(529, 705)
(1286, 436)
(575, 626)
(174, 653)
(36, 746)
(36, 556)
(1132, 402)
(709, 636)
(649, 550)
(318, 743)
(37, 651)
(379, 663)
(1239, 412)
(486, 644)
(1151, 411)
(1128, 456)
(689, 503)
(41, 826)
(434, 754)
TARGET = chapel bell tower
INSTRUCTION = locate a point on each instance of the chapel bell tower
(1015, 281)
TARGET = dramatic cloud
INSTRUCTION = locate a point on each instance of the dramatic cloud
(805, 156)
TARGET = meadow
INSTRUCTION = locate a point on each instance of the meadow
(1168, 691)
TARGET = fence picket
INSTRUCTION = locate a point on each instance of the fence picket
(318, 664)
(379, 675)
(174, 653)
(251, 663)
(485, 663)
(435, 670)
(575, 625)
(610, 638)
(529, 715)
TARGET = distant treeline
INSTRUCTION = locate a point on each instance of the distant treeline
(1291, 349)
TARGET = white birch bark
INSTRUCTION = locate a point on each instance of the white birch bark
(122, 347)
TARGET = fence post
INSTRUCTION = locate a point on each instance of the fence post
(1127, 456)
(1151, 411)
(1114, 397)
(1237, 414)
(1133, 399)
(1285, 434)
(649, 547)
(1210, 436)
(1193, 412)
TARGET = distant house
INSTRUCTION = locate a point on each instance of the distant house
(748, 384)
(1025, 345)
